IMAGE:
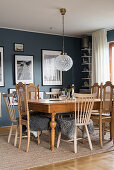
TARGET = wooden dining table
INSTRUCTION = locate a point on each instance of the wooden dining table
(55, 106)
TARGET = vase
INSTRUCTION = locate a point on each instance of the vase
(68, 95)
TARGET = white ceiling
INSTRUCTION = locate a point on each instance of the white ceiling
(82, 16)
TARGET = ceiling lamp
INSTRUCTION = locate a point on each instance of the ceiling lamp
(63, 62)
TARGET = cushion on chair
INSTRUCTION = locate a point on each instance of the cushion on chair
(39, 123)
(67, 127)
(90, 128)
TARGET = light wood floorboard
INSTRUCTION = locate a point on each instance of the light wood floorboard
(103, 161)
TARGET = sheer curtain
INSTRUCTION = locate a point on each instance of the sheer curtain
(100, 57)
(113, 65)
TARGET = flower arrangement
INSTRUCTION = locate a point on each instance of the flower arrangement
(68, 89)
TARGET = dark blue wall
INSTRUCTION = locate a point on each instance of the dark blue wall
(110, 35)
(33, 44)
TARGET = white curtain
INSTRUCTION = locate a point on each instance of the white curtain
(100, 57)
(113, 65)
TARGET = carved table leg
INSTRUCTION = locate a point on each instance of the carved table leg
(52, 125)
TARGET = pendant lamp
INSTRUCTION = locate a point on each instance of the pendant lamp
(63, 62)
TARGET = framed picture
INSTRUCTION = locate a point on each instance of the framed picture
(18, 47)
(1, 67)
(51, 76)
(41, 94)
(13, 91)
(23, 69)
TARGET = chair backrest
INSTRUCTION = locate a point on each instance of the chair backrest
(22, 99)
(96, 89)
(38, 89)
(55, 94)
(83, 107)
(106, 100)
(31, 91)
(8, 99)
(113, 92)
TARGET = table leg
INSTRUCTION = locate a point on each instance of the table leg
(52, 125)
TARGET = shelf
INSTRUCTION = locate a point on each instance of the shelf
(86, 78)
(86, 57)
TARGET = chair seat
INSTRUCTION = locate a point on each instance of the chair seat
(67, 127)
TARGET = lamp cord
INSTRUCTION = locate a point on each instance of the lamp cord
(63, 34)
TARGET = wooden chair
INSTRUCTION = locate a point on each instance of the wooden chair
(96, 89)
(11, 111)
(41, 118)
(23, 110)
(31, 91)
(38, 89)
(113, 92)
(105, 110)
(32, 94)
(83, 108)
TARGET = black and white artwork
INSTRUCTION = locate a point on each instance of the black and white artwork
(18, 47)
(1, 67)
(41, 94)
(51, 76)
(13, 91)
(23, 69)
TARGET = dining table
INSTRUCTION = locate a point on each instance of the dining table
(56, 106)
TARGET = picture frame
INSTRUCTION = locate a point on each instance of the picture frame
(50, 75)
(41, 94)
(18, 47)
(13, 91)
(24, 69)
(1, 66)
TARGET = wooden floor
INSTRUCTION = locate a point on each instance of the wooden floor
(103, 161)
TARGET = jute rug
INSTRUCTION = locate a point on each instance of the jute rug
(11, 158)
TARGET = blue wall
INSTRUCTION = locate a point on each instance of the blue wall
(33, 44)
(110, 35)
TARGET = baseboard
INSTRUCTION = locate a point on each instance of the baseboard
(5, 129)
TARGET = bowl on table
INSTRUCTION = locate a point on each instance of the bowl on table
(62, 97)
